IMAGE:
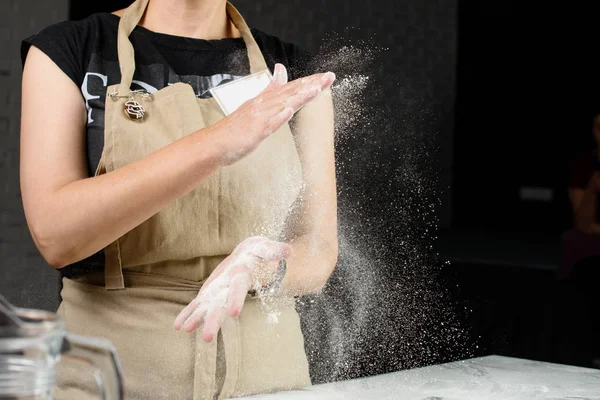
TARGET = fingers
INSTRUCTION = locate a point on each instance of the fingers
(185, 314)
(280, 78)
(276, 122)
(280, 75)
(195, 319)
(218, 310)
(296, 94)
(200, 312)
(263, 248)
(300, 99)
(319, 81)
(224, 265)
(278, 103)
(226, 293)
(213, 322)
(279, 91)
(272, 251)
(325, 79)
(240, 284)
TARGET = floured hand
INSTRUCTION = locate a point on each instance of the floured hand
(252, 265)
(242, 131)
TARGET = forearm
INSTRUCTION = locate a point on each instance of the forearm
(310, 265)
(585, 213)
(84, 216)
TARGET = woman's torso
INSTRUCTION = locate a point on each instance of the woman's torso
(86, 51)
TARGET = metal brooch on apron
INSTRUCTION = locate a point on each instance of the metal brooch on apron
(156, 269)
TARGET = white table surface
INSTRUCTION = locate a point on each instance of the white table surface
(491, 377)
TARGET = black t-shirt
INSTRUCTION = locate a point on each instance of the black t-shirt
(86, 51)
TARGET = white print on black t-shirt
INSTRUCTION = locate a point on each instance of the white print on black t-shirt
(88, 96)
(100, 74)
(201, 85)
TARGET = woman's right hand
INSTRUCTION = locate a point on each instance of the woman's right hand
(242, 131)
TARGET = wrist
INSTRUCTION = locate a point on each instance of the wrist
(210, 145)
(264, 286)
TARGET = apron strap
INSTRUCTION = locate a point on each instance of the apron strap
(127, 24)
(205, 367)
(232, 347)
(255, 56)
(132, 16)
(113, 271)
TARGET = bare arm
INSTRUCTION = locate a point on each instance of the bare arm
(312, 227)
(72, 216)
(583, 203)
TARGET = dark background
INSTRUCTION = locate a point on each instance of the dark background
(527, 91)
(440, 257)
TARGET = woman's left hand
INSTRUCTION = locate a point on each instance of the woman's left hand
(251, 265)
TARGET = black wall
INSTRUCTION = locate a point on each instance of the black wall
(527, 88)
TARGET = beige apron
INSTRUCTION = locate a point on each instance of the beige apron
(155, 270)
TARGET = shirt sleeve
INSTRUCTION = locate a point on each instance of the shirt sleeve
(62, 43)
(296, 59)
(300, 61)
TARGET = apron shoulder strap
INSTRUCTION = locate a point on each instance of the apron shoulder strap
(132, 16)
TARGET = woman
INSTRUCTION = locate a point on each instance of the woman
(580, 263)
(163, 214)
(583, 185)
(581, 245)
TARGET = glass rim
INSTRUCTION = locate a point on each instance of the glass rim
(35, 323)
